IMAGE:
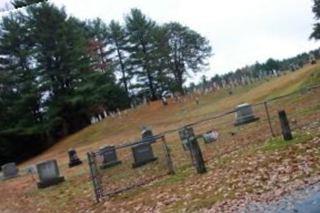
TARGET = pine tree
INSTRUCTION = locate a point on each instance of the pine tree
(140, 29)
(316, 28)
(118, 49)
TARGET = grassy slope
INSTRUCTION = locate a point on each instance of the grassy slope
(119, 130)
(76, 193)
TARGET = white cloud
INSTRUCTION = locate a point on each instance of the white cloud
(241, 32)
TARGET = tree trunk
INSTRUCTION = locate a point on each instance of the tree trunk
(146, 68)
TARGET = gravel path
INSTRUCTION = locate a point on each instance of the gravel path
(306, 200)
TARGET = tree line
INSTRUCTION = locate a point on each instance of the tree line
(255, 72)
(57, 71)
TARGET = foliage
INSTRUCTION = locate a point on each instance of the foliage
(316, 28)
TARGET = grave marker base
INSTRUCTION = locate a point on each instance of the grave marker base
(247, 121)
(8, 177)
(111, 164)
(51, 182)
(142, 163)
(75, 163)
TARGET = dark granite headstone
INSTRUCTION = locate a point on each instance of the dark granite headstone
(9, 170)
(186, 135)
(73, 158)
(147, 136)
(142, 154)
(109, 156)
(49, 174)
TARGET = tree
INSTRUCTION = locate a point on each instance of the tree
(97, 32)
(23, 3)
(21, 118)
(188, 52)
(118, 46)
(140, 30)
(271, 65)
(316, 28)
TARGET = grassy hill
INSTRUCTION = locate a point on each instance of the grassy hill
(127, 127)
(254, 169)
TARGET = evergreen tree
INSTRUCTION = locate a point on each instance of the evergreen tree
(140, 31)
(316, 28)
(118, 49)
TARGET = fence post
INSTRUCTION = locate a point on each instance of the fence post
(197, 156)
(286, 131)
(168, 156)
(268, 116)
(95, 176)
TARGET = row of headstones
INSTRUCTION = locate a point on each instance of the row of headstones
(48, 172)
(98, 118)
(142, 152)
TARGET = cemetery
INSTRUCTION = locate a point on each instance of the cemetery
(187, 155)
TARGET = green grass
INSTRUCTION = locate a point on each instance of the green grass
(278, 143)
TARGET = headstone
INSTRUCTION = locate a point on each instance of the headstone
(142, 154)
(244, 114)
(109, 156)
(210, 136)
(9, 170)
(186, 135)
(147, 135)
(73, 158)
(49, 174)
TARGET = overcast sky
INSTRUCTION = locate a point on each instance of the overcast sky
(240, 32)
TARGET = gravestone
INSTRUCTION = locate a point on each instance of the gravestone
(244, 115)
(186, 135)
(210, 136)
(142, 154)
(109, 156)
(73, 158)
(9, 170)
(49, 174)
(147, 135)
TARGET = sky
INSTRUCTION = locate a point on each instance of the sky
(240, 32)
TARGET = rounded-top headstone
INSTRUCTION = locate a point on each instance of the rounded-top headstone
(147, 135)
(73, 158)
